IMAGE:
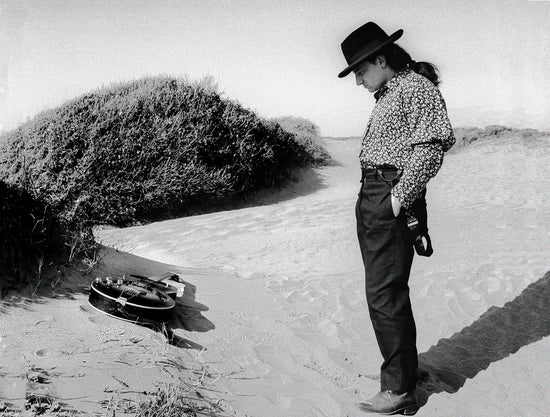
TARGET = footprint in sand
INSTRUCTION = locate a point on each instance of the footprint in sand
(94, 316)
(44, 352)
(128, 357)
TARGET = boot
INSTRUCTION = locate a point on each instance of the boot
(388, 402)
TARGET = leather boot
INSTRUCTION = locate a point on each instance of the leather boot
(388, 402)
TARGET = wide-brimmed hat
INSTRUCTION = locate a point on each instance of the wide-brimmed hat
(363, 42)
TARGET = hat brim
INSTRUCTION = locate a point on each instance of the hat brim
(392, 38)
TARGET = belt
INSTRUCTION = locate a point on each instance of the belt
(385, 173)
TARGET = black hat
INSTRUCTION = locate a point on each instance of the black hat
(363, 42)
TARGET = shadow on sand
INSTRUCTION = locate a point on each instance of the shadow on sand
(498, 333)
(187, 314)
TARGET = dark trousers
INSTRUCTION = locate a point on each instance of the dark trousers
(387, 249)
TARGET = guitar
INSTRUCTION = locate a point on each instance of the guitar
(134, 298)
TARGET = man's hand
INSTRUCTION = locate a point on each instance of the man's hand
(395, 205)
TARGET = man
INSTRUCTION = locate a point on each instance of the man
(406, 137)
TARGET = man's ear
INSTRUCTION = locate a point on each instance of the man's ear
(381, 60)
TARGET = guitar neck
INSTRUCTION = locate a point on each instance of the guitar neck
(158, 278)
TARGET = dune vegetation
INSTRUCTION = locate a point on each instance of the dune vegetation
(466, 136)
(29, 237)
(147, 150)
(177, 401)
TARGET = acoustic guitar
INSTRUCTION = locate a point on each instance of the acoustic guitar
(134, 298)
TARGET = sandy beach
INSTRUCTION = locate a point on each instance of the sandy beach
(274, 320)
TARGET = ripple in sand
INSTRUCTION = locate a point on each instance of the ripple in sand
(44, 319)
(100, 319)
(88, 309)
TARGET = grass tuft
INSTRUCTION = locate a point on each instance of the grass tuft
(173, 400)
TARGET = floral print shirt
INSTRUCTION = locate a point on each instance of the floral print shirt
(409, 129)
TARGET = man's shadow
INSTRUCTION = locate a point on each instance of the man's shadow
(498, 333)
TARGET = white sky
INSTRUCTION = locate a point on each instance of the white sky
(278, 57)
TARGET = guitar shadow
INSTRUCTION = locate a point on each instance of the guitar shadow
(498, 333)
(187, 315)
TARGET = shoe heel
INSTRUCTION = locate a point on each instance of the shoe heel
(410, 410)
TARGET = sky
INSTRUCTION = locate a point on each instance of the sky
(278, 57)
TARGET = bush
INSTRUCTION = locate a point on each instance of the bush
(306, 134)
(146, 150)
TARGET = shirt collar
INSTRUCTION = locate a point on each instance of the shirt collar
(392, 83)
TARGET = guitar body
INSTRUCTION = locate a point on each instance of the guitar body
(133, 298)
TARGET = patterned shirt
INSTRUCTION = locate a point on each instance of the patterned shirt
(409, 129)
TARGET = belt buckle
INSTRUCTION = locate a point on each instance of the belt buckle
(394, 180)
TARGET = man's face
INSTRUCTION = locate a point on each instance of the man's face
(371, 76)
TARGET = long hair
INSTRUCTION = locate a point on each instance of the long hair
(398, 59)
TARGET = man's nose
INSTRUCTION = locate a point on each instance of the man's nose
(358, 80)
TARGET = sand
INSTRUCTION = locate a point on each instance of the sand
(274, 320)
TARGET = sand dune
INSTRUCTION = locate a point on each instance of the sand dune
(274, 321)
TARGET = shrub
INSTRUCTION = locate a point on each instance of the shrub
(146, 150)
(306, 134)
